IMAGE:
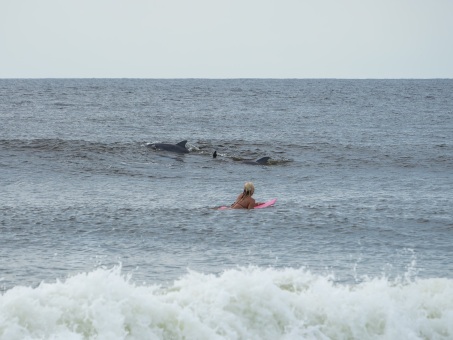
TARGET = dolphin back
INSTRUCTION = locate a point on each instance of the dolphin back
(178, 148)
(261, 161)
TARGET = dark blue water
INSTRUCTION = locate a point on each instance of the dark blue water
(362, 170)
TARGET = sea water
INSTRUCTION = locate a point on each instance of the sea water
(103, 237)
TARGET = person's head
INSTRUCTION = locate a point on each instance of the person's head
(249, 189)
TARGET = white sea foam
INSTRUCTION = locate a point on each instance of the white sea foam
(245, 303)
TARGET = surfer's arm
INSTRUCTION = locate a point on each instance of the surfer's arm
(253, 204)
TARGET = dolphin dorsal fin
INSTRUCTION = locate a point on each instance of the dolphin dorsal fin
(263, 160)
(182, 144)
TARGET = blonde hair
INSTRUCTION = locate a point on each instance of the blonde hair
(249, 189)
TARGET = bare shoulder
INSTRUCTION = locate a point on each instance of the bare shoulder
(251, 203)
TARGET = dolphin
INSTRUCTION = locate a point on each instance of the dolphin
(178, 148)
(261, 161)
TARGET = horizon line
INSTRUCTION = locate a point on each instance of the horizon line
(219, 78)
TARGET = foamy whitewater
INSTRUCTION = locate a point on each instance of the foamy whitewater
(247, 303)
(104, 237)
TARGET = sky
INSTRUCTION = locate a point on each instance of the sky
(226, 39)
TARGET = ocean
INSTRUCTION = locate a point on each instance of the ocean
(104, 237)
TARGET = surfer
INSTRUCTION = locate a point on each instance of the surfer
(245, 199)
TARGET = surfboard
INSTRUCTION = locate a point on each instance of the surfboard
(261, 206)
(266, 204)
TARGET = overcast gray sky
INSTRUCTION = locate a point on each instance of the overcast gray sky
(226, 38)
